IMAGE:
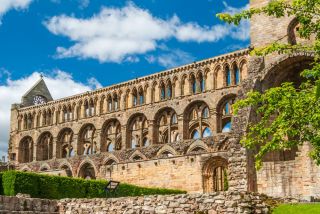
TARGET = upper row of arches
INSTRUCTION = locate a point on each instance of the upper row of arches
(151, 92)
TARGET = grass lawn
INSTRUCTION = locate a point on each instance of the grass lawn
(297, 209)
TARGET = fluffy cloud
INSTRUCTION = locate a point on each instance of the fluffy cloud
(6, 5)
(115, 34)
(60, 84)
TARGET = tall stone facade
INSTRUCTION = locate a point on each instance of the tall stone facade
(173, 129)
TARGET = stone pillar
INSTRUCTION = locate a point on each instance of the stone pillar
(181, 124)
(124, 137)
(75, 144)
(54, 147)
(97, 139)
(152, 133)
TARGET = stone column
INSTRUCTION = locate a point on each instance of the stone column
(54, 147)
(152, 133)
(124, 137)
(97, 139)
(75, 144)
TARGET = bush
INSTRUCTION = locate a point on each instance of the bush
(55, 187)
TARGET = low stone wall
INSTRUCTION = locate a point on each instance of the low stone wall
(220, 202)
(27, 205)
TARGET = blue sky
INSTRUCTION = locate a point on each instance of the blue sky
(27, 45)
(82, 45)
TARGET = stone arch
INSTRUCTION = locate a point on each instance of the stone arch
(195, 121)
(286, 69)
(218, 77)
(166, 151)
(192, 83)
(25, 169)
(175, 87)
(110, 158)
(197, 147)
(44, 150)
(44, 167)
(137, 155)
(25, 151)
(166, 126)
(243, 66)
(87, 140)
(137, 130)
(184, 85)
(87, 170)
(214, 174)
(227, 74)
(64, 146)
(111, 137)
(66, 166)
(225, 112)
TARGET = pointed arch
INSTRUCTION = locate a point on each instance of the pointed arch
(167, 151)
(137, 155)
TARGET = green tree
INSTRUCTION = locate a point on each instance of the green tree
(288, 116)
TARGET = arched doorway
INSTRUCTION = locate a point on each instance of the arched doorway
(214, 173)
(87, 171)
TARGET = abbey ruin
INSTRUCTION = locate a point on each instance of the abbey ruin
(173, 129)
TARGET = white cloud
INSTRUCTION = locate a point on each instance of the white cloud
(60, 84)
(115, 34)
(6, 5)
(233, 10)
(172, 58)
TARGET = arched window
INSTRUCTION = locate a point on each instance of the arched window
(174, 119)
(166, 125)
(86, 143)
(193, 84)
(45, 147)
(134, 97)
(110, 147)
(207, 132)
(228, 76)
(29, 121)
(227, 127)
(226, 115)
(109, 104)
(145, 142)
(111, 136)
(137, 130)
(197, 120)
(169, 90)
(205, 112)
(141, 97)
(201, 82)
(236, 75)
(115, 102)
(26, 150)
(195, 135)
(64, 145)
(162, 92)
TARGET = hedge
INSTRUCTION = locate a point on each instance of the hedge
(56, 187)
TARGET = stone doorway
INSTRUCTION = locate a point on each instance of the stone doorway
(87, 171)
(214, 174)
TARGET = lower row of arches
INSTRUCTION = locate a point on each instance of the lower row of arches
(214, 172)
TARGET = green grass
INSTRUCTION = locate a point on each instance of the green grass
(297, 209)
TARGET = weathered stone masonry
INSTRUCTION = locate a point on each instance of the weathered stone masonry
(173, 129)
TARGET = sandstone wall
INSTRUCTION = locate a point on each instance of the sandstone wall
(219, 202)
(27, 205)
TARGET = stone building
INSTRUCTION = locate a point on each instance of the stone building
(172, 129)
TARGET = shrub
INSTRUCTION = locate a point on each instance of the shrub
(55, 187)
